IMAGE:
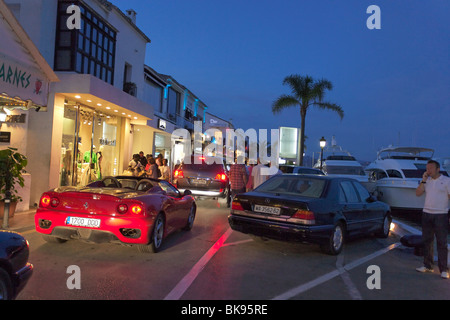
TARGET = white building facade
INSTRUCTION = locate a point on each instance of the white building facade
(86, 130)
(103, 104)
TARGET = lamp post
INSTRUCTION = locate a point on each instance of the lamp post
(322, 144)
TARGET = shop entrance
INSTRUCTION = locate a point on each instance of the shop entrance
(90, 147)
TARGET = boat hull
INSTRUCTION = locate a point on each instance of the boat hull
(400, 195)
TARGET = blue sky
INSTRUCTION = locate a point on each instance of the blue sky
(393, 83)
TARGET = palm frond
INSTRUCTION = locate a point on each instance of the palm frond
(331, 106)
(283, 102)
(319, 88)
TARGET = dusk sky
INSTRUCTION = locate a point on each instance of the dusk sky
(393, 83)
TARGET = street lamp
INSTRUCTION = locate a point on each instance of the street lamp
(322, 144)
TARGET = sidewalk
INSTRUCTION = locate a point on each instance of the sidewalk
(21, 221)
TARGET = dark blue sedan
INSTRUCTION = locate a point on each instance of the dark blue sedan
(310, 208)
(15, 270)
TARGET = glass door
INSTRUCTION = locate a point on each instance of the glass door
(89, 145)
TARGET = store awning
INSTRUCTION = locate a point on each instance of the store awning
(25, 76)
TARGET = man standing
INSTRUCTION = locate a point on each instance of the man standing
(434, 217)
(257, 174)
(238, 178)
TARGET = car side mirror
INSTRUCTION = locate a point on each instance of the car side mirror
(187, 193)
(371, 199)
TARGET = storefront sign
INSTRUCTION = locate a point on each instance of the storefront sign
(5, 137)
(107, 142)
(162, 125)
(24, 82)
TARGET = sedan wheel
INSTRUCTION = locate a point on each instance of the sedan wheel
(385, 228)
(336, 241)
(5, 285)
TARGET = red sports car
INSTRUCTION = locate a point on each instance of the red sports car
(123, 209)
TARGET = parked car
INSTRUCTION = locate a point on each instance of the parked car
(15, 270)
(285, 168)
(203, 176)
(124, 209)
(310, 208)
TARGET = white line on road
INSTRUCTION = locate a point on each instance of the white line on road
(326, 277)
(352, 289)
(187, 280)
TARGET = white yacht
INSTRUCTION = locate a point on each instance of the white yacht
(397, 172)
(445, 164)
(340, 162)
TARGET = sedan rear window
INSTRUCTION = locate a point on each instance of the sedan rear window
(293, 185)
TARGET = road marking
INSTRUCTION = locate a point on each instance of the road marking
(28, 232)
(237, 242)
(326, 277)
(185, 283)
(352, 289)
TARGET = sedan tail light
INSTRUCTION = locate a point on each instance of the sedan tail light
(235, 205)
(304, 216)
(178, 174)
(221, 177)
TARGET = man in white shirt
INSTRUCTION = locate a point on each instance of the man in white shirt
(257, 176)
(434, 217)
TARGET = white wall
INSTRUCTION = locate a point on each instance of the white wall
(38, 19)
(130, 48)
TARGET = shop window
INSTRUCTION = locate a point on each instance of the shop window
(90, 146)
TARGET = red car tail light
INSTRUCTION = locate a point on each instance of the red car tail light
(235, 205)
(122, 208)
(45, 201)
(137, 209)
(54, 202)
(134, 208)
(178, 174)
(221, 177)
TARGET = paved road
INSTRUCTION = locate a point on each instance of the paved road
(212, 262)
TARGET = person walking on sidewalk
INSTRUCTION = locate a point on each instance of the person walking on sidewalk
(434, 217)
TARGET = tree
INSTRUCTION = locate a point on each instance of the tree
(305, 92)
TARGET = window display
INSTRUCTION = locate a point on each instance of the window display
(89, 145)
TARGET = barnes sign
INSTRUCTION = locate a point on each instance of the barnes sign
(24, 82)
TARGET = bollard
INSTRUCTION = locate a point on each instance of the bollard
(6, 211)
(6, 215)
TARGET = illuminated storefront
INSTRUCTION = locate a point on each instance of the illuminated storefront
(97, 132)
(90, 145)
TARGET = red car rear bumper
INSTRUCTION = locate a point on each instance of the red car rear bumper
(125, 229)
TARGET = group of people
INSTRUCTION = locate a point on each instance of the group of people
(156, 168)
(244, 179)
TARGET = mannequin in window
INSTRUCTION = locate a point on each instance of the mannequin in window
(99, 161)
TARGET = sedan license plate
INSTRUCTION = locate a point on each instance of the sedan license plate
(266, 209)
(199, 181)
(83, 222)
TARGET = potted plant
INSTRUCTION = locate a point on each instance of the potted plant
(12, 165)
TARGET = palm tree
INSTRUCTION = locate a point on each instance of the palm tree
(305, 92)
